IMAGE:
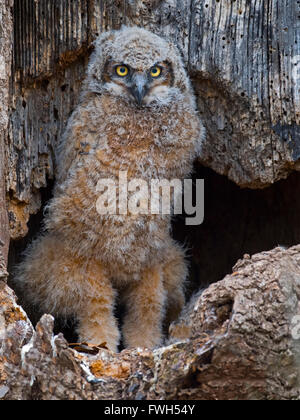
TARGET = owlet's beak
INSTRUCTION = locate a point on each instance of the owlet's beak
(139, 87)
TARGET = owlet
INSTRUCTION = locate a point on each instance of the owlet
(136, 117)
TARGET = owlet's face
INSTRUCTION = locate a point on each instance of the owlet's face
(141, 86)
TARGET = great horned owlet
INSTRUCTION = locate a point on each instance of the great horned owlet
(136, 115)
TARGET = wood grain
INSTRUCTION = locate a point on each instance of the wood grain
(5, 68)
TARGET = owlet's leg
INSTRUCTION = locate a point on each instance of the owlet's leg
(97, 323)
(145, 302)
(62, 284)
(175, 271)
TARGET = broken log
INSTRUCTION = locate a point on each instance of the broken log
(237, 340)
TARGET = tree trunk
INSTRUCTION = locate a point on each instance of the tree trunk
(235, 340)
(5, 68)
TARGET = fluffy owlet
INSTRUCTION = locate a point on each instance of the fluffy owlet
(136, 116)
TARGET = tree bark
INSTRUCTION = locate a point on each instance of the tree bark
(5, 68)
(239, 339)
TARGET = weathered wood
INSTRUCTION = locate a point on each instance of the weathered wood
(246, 59)
(238, 340)
(5, 70)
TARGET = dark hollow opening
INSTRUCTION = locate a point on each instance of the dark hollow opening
(237, 222)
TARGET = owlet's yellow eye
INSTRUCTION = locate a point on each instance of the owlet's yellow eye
(155, 71)
(122, 71)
